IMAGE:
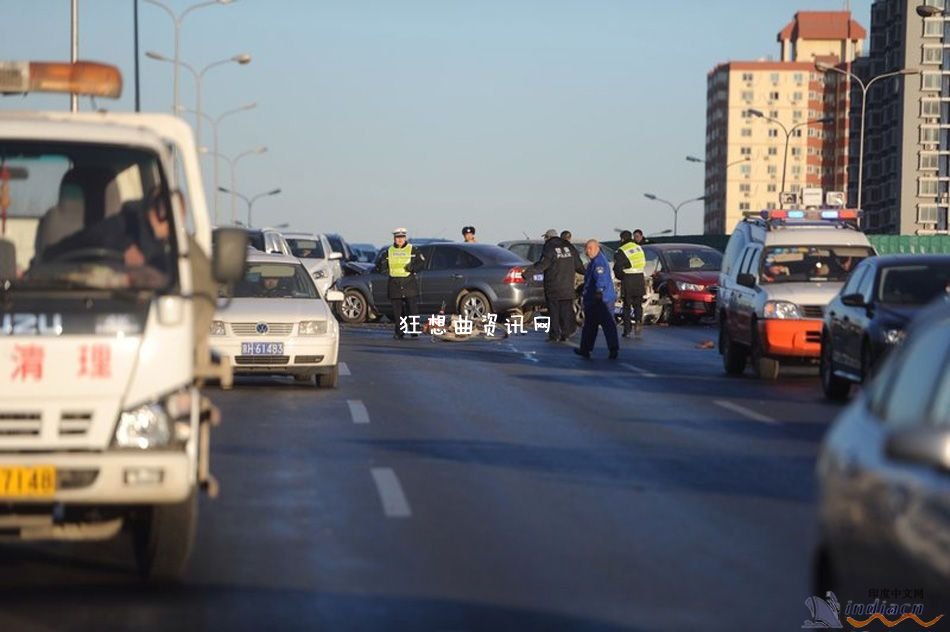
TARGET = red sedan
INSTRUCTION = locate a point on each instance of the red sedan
(686, 277)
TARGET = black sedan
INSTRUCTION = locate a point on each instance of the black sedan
(884, 480)
(868, 316)
(470, 279)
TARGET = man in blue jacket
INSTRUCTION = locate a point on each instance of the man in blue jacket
(599, 298)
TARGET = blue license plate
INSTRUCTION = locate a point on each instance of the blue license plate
(539, 277)
(262, 348)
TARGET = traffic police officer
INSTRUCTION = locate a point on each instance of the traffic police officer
(401, 262)
(468, 234)
(599, 298)
(629, 262)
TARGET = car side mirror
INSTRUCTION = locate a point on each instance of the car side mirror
(7, 261)
(746, 280)
(853, 300)
(335, 256)
(229, 255)
(922, 446)
(334, 296)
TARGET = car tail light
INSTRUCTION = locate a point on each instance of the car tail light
(515, 275)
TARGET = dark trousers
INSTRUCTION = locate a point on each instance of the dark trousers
(561, 313)
(412, 309)
(597, 315)
(632, 287)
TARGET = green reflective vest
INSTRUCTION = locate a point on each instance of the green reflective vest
(635, 256)
(399, 259)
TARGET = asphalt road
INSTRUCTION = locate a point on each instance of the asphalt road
(484, 485)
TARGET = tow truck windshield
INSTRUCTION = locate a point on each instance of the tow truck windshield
(87, 216)
(798, 264)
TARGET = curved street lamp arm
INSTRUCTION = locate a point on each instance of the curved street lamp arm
(164, 8)
(197, 6)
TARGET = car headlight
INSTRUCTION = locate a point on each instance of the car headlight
(781, 309)
(217, 328)
(312, 327)
(682, 286)
(894, 336)
(319, 274)
(144, 427)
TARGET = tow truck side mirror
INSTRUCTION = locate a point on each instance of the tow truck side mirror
(7, 261)
(229, 255)
(746, 280)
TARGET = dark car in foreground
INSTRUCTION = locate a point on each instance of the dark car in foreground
(884, 479)
(686, 276)
(470, 279)
(869, 315)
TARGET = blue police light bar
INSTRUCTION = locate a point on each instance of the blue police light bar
(796, 215)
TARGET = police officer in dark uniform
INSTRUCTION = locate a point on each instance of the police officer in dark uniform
(401, 262)
(629, 262)
(559, 262)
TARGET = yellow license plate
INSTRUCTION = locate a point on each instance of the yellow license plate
(28, 482)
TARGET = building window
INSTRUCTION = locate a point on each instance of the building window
(772, 188)
(745, 151)
(745, 188)
(773, 114)
(773, 151)
(796, 96)
(796, 114)
(743, 206)
(929, 162)
(773, 77)
(773, 170)
(797, 171)
(933, 27)
(748, 95)
(930, 107)
(927, 187)
(745, 169)
(798, 77)
(929, 134)
(773, 95)
(932, 54)
(795, 188)
(747, 76)
(927, 214)
(773, 133)
(796, 151)
(746, 131)
(930, 80)
(797, 133)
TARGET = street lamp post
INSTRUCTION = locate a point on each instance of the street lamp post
(675, 207)
(232, 164)
(823, 67)
(788, 135)
(178, 20)
(242, 59)
(214, 129)
(249, 201)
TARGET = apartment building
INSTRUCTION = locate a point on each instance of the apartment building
(757, 109)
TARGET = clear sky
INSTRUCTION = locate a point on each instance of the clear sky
(512, 115)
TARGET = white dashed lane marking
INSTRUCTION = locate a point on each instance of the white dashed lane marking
(390, 491)
(745, 412)
(358, 411)
(638, 370)
(344, 370)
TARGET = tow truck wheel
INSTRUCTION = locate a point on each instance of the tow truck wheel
(835, 388)
(162, 538)
(765, 368)
(329, 380)
(734, 356)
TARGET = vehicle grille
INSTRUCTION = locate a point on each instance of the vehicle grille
(74, 424)
(273, 329)
(813, 311)
(20, 424)
(262, 360)
(813, 336)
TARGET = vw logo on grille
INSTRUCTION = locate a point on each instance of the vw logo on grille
(262, 328)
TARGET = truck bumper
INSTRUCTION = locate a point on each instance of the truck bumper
(790, 338)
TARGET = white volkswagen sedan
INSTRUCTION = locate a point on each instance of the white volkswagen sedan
(275, 321)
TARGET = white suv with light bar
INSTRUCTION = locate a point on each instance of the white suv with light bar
(780, 269)
(275, 322)
(104, 295)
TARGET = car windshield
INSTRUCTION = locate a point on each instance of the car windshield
(84, 215)
(790, 264)
(274, 280)
(694, 259)
(306, 248)
(336, 244)
(913, 284)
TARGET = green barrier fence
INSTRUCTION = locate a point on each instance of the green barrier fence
(884, 244)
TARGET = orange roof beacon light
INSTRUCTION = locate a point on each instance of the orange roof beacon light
(85, 78)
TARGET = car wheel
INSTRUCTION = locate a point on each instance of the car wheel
(474, 306)
(766, 368)
(734, 355)
(835, 388)
(353, 308)
(162, 539)
(329, 380)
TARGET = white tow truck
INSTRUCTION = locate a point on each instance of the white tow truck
(106, 295)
